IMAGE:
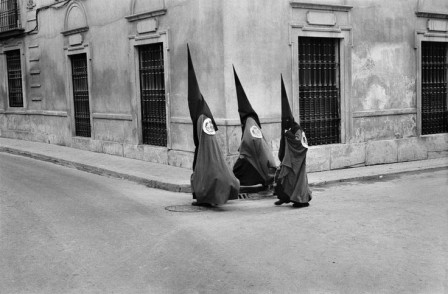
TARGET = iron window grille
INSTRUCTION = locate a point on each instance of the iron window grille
(152, 92)
(14, 69)
(81, 95)
(434, 109)
(319, 89)
(9, 15)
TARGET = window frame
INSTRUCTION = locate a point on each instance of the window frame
(69, 51)
(423, 36)
(344, 35)
(3, 52)
(16, 14)
(446, 84)
(140, 52)
(310, 132)
(135, 43)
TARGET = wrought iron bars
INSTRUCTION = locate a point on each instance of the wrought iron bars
(319, 89)
(9, 15)
(81, 95)
(14, 69)
(152, 87)
(434, 87)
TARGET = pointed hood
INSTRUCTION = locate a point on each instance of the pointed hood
(196, 102)
(287, 117)
(288, 121)
(244, 108)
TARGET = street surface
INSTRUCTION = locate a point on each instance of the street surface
(67, 231)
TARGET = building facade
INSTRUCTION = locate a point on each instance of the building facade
(367, 80)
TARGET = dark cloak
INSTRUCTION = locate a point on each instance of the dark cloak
(256, 164)
(287, 121)
(292, 182)
(212, 181)
(196, 103)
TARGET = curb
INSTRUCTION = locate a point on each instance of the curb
(378, 176)
(100, 171)
(187, 188)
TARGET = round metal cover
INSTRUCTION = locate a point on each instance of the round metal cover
(185, 208)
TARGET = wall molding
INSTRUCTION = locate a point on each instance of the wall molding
(384, 112)
(317, 6)
(112, 116)
(35, 112)
(75, 31)
(431, 14)
(144, 15)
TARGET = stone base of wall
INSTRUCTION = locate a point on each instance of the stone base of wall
(49, 129)
(337, 156)
(55, 130)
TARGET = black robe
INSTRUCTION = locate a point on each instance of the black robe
(256, 164)
(212, 181)
(292, 182)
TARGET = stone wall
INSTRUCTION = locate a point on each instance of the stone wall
(379, 45)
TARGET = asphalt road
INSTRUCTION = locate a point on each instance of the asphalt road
(66, 231)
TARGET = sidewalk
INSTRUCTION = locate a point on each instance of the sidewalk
(177, 179)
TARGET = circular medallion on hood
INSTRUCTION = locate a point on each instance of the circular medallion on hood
(255, 132)
(207, 127)
(304, 140)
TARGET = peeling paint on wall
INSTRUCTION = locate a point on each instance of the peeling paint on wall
(381, 78)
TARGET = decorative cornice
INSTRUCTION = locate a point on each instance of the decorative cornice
(145, 15)
(431, 14)
(75, 31)
(384, 112)
(112, 116)
(317, 6)
(35, 112)
(11, 33)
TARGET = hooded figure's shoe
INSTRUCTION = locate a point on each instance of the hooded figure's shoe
(298, 204)
(201, 204)
(280, 202)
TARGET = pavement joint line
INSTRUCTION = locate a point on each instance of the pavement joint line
(186, 188)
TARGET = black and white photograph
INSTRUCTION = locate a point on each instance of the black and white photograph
(223, 146)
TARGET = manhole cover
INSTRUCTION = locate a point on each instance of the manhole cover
(186, 208)
(255, 196)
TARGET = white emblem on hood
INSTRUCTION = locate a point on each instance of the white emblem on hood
(207, 127)
(255, 132)
(304, 140)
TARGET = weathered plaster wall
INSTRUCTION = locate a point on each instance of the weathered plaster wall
(257, 44)
(108, 37)
(198, 23)
(252, 35)
(383, 67)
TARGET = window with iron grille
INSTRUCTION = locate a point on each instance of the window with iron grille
(434, 88)
(14, 69)
(81, 95)
(152, 92)
(9, 15)
(319, 89)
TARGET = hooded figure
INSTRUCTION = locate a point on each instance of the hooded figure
(256, 164)
(292, 181)
(212, 181)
